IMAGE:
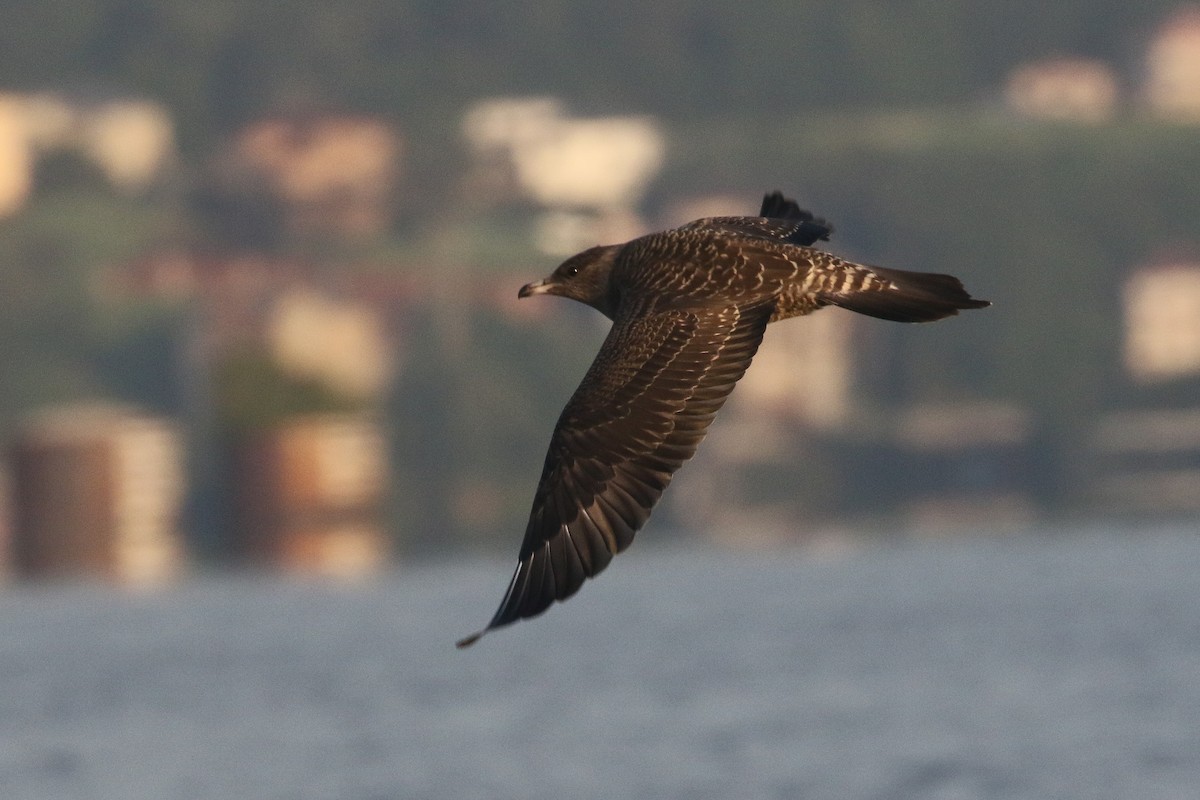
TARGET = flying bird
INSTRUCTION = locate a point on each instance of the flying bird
(689, 307)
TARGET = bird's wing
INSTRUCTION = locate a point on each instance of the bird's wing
(780, 219)
(641, 410)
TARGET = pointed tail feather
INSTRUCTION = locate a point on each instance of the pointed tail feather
(908, 296)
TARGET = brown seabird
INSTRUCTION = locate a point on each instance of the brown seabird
(689, 307)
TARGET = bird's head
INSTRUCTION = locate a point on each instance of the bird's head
(583, 277)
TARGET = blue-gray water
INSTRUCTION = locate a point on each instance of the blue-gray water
(1021, 667)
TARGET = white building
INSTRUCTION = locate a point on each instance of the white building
(131, 141)
(1172, 86)
(588, 173)
(1162, 322)
(340, 343)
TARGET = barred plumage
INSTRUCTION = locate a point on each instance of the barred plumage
(689, 307)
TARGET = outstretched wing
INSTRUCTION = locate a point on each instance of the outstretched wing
(641, 410)
(780, 219)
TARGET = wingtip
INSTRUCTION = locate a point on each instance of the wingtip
(466, 642)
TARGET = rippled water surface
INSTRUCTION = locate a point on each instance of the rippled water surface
(1039, 667)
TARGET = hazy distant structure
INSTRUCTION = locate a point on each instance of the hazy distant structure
(16, 156)
(967, 461)
(1172, 87)
(97, 492)
(689, 308)
(1146, 460)
(308, 496)
(1162, 322)
(332, 172)
(1080, 89)
(335, 341)
(587, 173)
(130, 140)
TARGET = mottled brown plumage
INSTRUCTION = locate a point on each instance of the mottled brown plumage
(689, 307)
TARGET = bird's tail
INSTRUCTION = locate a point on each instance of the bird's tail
(907, 296)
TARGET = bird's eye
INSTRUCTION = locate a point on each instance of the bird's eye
(571, 271)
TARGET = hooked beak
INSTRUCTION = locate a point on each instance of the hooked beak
(537, 287)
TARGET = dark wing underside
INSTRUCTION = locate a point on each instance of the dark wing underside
(780, 220)
(641, 410)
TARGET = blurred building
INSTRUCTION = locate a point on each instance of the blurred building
(1145, 457)
(1080, 89)
(97, 491)
(16, 156)
(587, 174)
(332, 172)
(805, 370)
(334, 340)
(1162, 322)
(130, 140)
(1172, 87)
(1147, 462)
(963, 464)
(309, 496)
(801, 449)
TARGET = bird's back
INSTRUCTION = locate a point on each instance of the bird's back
(745, 261)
